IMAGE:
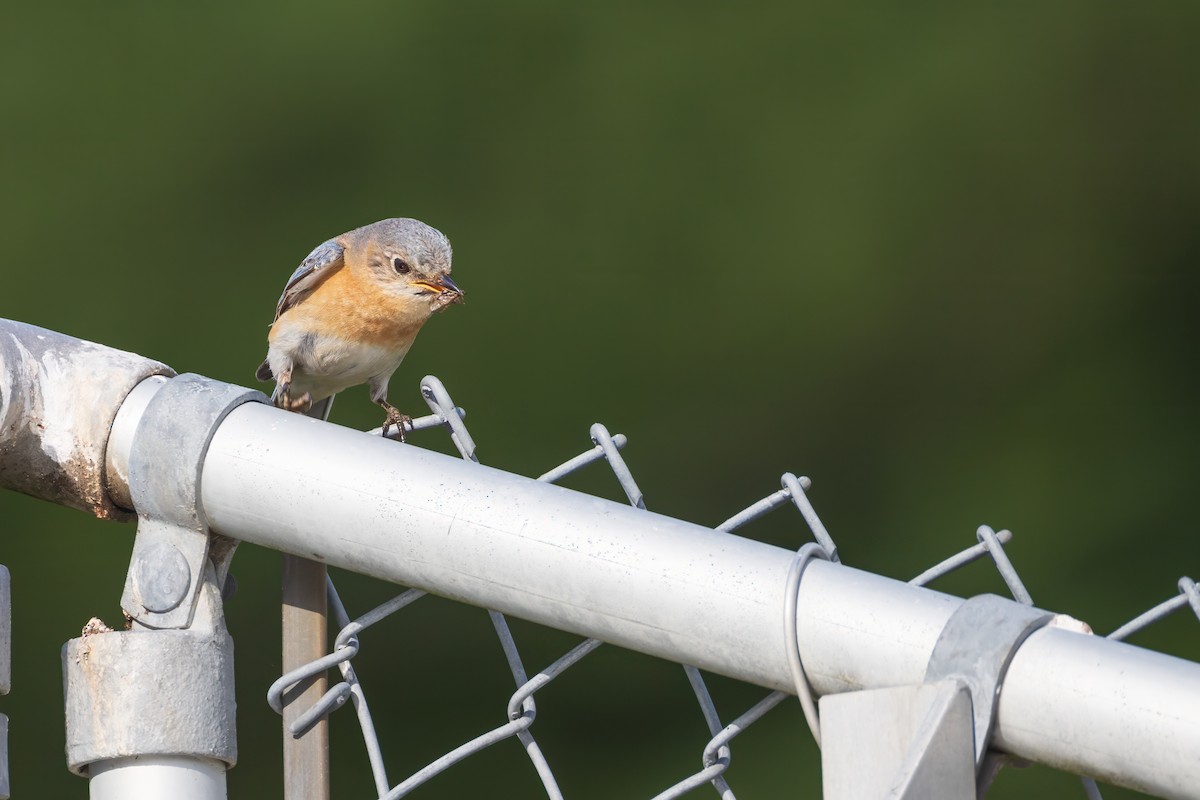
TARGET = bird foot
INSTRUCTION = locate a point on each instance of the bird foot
(299, 405)
(398, 419)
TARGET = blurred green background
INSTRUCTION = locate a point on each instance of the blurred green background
(943, 259)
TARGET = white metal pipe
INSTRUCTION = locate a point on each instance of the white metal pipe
(1105, 709)
(676, 590)
(487, 537)
(858, 630)
(569, 560)
(157, 777)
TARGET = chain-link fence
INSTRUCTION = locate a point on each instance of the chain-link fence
(521, 708)
(150, 710)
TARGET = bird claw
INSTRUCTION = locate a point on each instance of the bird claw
(283, 397)
(300, 405)
(399, 420)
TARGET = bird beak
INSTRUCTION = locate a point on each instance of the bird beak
(446, 290)
(448, 285)
(443, 285)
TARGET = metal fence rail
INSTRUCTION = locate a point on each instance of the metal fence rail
(521, 709)
(208, 464)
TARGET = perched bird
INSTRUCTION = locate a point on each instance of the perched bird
(351, 311)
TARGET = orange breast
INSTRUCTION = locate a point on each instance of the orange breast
(355, 308)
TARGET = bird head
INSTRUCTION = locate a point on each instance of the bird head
(408, 259)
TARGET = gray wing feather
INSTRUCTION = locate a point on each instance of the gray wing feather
(327, 257)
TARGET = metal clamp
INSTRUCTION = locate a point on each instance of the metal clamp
(975, 647)
(173, 543)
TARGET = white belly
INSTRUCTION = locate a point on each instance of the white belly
(324, 365)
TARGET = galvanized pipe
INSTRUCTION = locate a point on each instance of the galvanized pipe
(58, 398)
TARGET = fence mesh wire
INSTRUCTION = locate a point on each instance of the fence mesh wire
(521, 708)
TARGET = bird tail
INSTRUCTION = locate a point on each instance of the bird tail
(264, 371)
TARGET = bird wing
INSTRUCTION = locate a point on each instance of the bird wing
(327, 257)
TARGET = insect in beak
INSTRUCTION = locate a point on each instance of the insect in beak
(446, 291)
(443, 285)
(448, 285)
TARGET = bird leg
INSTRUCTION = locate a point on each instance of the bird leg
(394, 417)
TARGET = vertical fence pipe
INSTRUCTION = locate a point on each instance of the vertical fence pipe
(155, 777)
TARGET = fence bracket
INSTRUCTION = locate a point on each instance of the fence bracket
(173, 543)
(929, 740)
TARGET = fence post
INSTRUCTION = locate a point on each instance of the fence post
(305, 757)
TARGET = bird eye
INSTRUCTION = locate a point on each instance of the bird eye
(401, 266)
